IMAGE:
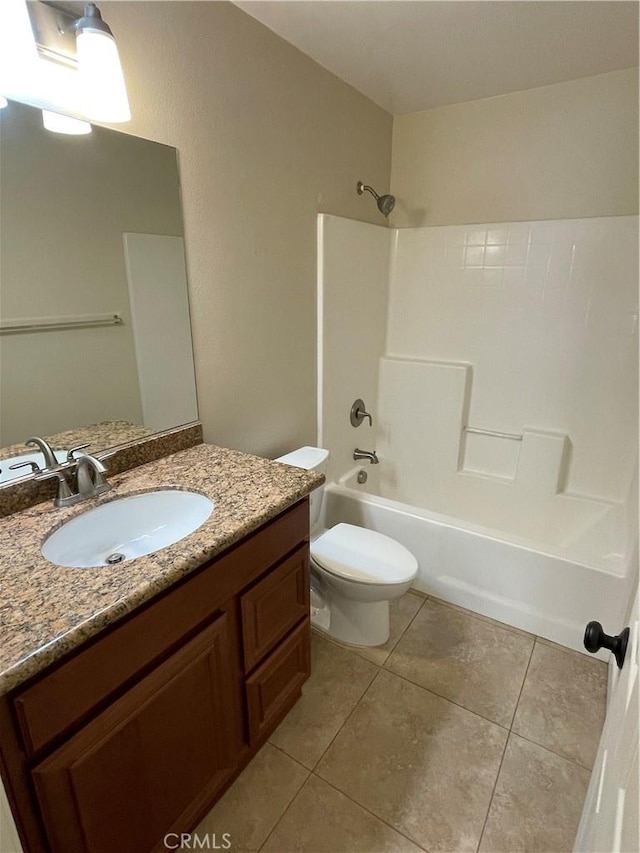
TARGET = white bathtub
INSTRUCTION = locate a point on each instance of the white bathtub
(551, 589)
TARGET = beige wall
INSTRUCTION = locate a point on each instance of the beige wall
(64, 205)
(566, 150)
(266, 139)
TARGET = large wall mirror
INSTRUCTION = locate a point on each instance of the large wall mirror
(95, 338)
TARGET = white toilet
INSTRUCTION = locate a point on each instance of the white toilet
(355, 572)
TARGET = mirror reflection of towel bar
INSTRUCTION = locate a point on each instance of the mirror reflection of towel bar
(510, 435)
(47, 324)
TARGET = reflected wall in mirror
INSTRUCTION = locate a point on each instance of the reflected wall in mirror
(91, 229)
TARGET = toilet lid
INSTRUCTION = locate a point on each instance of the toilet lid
(363, 555)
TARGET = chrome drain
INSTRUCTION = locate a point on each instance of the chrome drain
(112, 559)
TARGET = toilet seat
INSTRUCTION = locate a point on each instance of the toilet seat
(364, 556)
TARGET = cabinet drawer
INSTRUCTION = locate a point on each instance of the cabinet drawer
(145, 766)
(275, 685)
(273, 606)
(67, 694)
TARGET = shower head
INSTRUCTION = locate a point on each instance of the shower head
(385, 203)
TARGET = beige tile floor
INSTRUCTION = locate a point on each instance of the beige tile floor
(460, 734)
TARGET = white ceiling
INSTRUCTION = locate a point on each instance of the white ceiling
(410, 55)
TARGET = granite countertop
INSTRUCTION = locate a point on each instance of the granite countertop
(99, 436)
(48, 610)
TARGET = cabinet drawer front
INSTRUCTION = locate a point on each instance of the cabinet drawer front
(274, 686)
(67, 694)
(135, 772)
(273, 606)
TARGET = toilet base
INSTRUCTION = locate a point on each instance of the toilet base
(358, 623)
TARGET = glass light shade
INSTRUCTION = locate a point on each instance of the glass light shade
(100, 76)
(3, 102)
(64, 124)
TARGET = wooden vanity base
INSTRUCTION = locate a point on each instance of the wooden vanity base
(138, 732)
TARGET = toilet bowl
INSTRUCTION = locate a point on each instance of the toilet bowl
(355, 572)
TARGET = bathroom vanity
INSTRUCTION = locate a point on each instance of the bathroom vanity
(130, 705)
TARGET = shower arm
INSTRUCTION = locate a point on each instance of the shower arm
(385, 203)
(362, 187)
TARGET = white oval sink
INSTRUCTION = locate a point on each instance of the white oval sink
(6, 474)
(126, 528)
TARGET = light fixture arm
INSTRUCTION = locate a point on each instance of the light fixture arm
(92, 20)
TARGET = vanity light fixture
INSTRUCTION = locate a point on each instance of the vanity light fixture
(100, 72)
(55, 58)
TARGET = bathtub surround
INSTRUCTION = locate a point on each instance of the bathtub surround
(506, 408)
(545, 314)
(353, 275)
(527, 329)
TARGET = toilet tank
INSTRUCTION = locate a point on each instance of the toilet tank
(311, 459)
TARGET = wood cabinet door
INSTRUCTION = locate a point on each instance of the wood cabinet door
(274, 605)
(276, 684)
(148, 764)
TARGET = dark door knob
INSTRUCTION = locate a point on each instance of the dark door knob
(595, 639)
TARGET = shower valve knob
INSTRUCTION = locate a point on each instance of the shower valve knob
(359, 413)
(596, 639)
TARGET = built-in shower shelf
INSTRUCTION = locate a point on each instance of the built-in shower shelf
(535, 460)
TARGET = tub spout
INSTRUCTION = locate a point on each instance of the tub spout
(371, 455)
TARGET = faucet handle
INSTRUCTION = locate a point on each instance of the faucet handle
(64, 497)
(359, 413)
(35, 468)
(71, 457)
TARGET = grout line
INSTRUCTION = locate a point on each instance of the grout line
(346, 647)
(553, 752)
(529, 739)
(284, 752)
(519, 632)
(409, 624)
(346, 720)
(379, 667)
(495, 785)
(446, 699)
(289, 804)
(524, 679)
(419, 593)
(565, 650)
(369, 811)
(504, 752)
(357, 650)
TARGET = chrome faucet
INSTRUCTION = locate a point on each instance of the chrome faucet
(50, 460)
(371, 455)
